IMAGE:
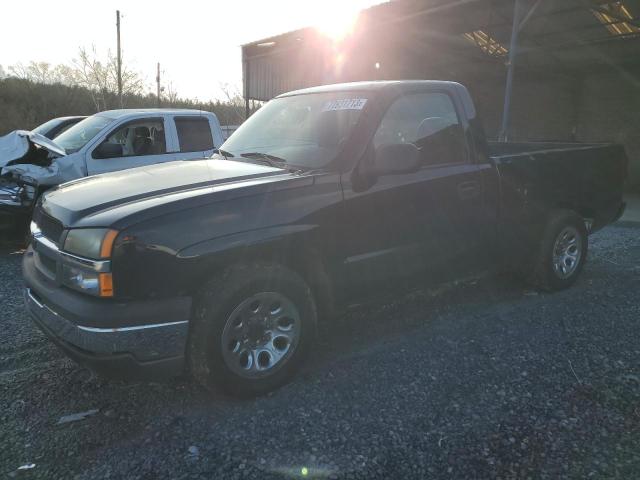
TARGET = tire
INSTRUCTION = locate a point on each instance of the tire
(562, 253)
(252, 327)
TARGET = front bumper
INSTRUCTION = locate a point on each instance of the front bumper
(14, 217)
(124, 346)
(14, 211)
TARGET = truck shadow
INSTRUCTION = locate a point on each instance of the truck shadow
(397, 311)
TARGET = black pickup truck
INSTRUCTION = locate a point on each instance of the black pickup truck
(226, 266)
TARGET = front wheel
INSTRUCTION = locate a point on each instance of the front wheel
(251, 330)
(563, 251)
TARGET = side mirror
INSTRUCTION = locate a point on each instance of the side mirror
(396, 159)
(108, 150)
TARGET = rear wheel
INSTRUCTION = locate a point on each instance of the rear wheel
(253, 326)
(562, 253)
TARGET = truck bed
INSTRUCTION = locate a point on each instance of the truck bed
(500, 149)
(585, 177)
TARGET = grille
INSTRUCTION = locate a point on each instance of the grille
(49, 263)
(50, 227)
(46, 265)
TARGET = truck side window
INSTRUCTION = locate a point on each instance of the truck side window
(430, 122)
(139, 138)
(194, 134)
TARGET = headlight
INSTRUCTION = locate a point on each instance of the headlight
(81, 279)
(90, 273)
(88, 281)
(90, 242)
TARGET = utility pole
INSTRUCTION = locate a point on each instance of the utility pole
(119, 60)
(247, 108)
(158, 82)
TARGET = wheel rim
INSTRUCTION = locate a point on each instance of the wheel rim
(261, 334)
(567, 252)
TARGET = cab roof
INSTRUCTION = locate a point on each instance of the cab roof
(149, 112)
(374, 86)
(395, 87)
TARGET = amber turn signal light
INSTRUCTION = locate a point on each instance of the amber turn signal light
(106, 285)
(107, 243)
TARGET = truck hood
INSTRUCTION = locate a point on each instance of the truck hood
(133, 190)
(16, 145)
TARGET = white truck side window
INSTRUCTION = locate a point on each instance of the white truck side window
(139, 138)
(194, 134)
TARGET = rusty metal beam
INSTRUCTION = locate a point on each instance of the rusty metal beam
(529, 14)
(513, 46)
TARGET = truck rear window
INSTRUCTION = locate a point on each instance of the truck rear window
(194, 134)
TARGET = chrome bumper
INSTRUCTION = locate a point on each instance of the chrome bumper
(145, 342)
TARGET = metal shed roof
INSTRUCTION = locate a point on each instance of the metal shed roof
(411, 39)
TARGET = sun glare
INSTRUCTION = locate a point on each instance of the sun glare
(337, 24)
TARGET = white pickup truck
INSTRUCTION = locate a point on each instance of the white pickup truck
(104, 142)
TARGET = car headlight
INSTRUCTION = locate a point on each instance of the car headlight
(81, 279)
(95, 243)
(87, 266)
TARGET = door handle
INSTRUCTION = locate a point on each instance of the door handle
(468, 190)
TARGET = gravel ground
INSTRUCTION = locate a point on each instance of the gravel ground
(485, 379)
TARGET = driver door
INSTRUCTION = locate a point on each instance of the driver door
(134, 144)
(402, 224)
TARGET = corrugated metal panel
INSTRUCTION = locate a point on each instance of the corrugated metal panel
(419, 38)
(273, 74)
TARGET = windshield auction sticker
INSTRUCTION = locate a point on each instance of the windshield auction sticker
(345, 104)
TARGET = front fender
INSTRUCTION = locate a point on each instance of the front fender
(174, 253)
(284, 244)
(252, 238)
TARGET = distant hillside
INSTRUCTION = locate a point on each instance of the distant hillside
(25, 104)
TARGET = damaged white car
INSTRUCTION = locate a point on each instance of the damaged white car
(108, 141)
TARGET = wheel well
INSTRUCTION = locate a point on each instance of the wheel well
(584, 212)
(309, 265)
(305, 262)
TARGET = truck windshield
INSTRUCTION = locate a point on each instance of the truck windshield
(77, 136)
(304, 130)
(46, 126)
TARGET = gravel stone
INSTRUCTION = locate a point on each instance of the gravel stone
(193, 450)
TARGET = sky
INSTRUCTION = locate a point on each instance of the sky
(196, 42)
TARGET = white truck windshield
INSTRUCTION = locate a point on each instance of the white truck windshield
(81, 133)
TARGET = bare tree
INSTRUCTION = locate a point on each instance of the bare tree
(92, 74)
(100, 77)
(171, 94)
(42, 72)
(35, 71)
(234, 99)
(132, 81)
